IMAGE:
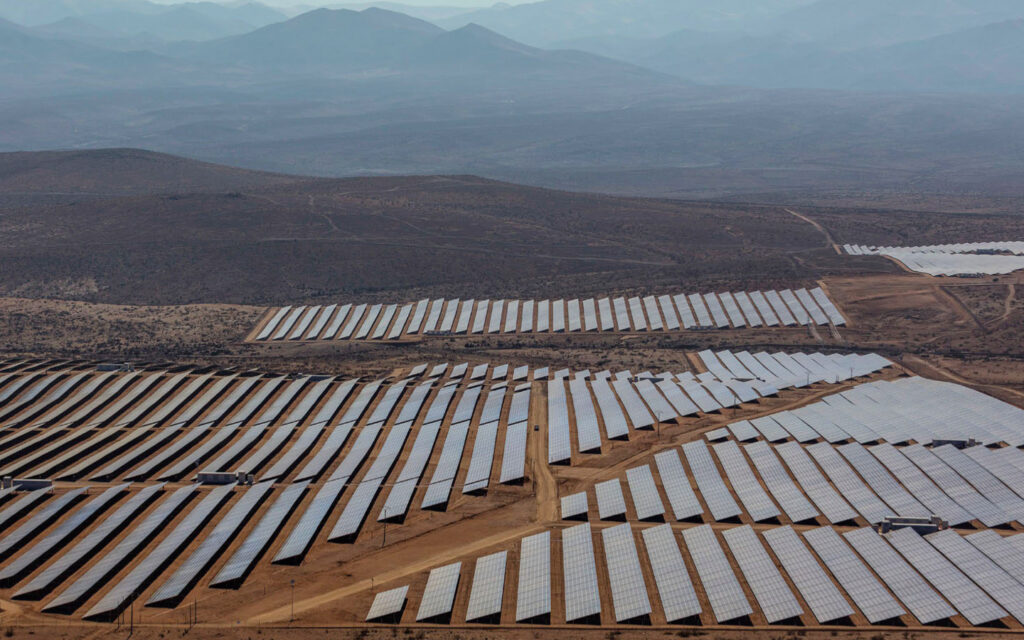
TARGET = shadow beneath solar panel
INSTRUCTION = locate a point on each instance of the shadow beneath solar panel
(742, 621)
(444, 618)
(541, 619)
(689, 621)
(845, 621)
(994, 624)
(492, 619)
(644, 620)
(391, 618)
(658, 517)
(593, 620)
(579, 517)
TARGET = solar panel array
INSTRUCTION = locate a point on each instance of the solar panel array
(661, 313)
(969, 258)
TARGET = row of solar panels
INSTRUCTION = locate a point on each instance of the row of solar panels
(953, 260)
(650, 313)
(648, 401)
(806, 483)
(896, 578)
(898, 411)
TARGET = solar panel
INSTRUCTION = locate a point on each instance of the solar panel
(579, 573)
(743, 300)
(53, 510)
(958, 589)
(1003, 588)
(370, 319)
(744, 482)
(847, 482)
(488, 587)
(121, 594)
(668, 310)
(719, 319)
(614, 419)
(625, 577)
(663, 411)
(953, 485)
(817, 315)
(13, 511)
(645, 494)
(558, 316)
(728, 602)
(69, 527)
(511, 316)
(339, 433)
(302, 534)
(573, 312)
(780, 308)
(683, 405)
(636, 314)
(743, 431)
(587, 432)
(479, 473)
(259, 539)
(439, 594)
(388, 603)
(400, 320)
(701, 397)
(797, 507)
(983, 481)
(513, 463)
(543, 316)
(794, 306)
(533, 598)
(272, 323)
(814, 484)
(526, 322)
(480, 318)
(922, 601)
(610, 502)
(332, 329)
(685, 313)
(71, 559)
(174, 588)
(285, 326)
(821, 595)
(769, 429)
(732, 310)
(465, 314)
(448, 319)
(604, 311)
(354, 513)
(440, 485)
(678, 598)
(635, 407)
(773, 594)
(918, 483)
(716, 493)
(881, 482)
(651, 307)
(1007, 552)
(433, 315)
(574, 506)
(559, 447)
(621, 314)
(681, 498)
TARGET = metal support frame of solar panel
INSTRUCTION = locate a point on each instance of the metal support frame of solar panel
(559, 445)
(956, 487)
(488, 588)
(957, 588)
(883, 484)
(588, 434)
(905, 583)
(388, 604)
(982, 480)
(988, 575)
(814, 484)
(681, 497)
(439, 593)
(625, 577)
(579, 572)
(675, 590)
(827, 603)
(709, 482)
(610, 502)
(867, 593)
(101, 570)
(726, 596)
(125, 591)
(920, 485)
(241, 562)
(533, 597)
(755, 500)
(1002, 551)
(188, 573)
(644, 492)
(793, 502)
(849, 484)
(478, 475)
(770, 589)
(635, 407)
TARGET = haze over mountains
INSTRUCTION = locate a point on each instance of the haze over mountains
(662, 97)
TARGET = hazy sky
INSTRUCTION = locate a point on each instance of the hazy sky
(418, 3)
